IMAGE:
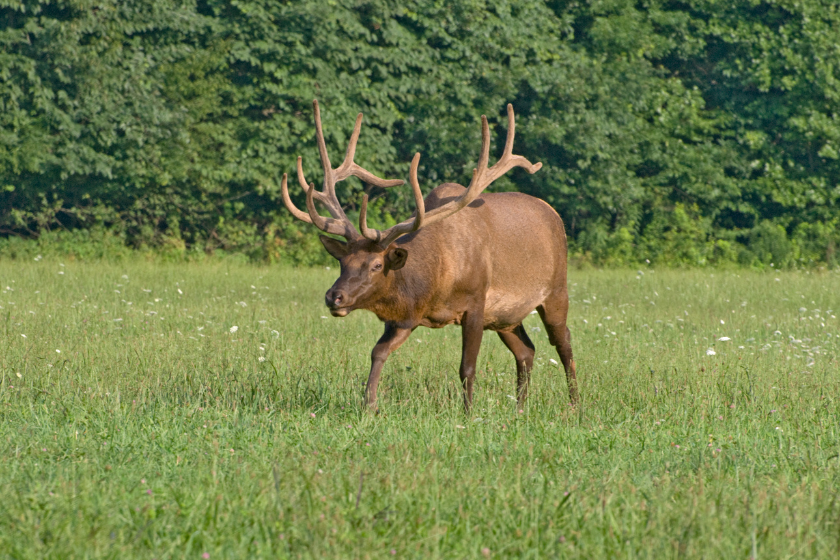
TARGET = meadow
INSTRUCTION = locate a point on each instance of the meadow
(214, 410)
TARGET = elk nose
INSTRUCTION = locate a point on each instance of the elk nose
(335, 298)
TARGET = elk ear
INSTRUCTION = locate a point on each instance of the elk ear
(334, 247)
(396, 258)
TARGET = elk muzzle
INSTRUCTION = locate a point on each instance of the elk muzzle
(337, 302)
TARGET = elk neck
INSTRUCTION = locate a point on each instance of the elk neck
(405, 290)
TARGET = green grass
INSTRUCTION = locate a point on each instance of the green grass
(134, 423)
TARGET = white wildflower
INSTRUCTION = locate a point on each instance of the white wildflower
(710, 352)
(233, 329)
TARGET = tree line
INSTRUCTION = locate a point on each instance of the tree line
(685, 132)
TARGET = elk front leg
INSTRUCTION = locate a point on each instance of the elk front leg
(472, 329)
(391, 339)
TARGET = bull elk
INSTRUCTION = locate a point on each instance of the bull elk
(482, 261)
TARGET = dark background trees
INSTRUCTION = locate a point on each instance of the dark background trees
(693, 132)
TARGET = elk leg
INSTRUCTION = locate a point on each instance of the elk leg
(565, 351)
(472, 330)
(391, 339)
(523, 350)
(553, 313)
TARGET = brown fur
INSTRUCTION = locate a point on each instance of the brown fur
(485, 269)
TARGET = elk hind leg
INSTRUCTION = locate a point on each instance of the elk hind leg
(522, 348)
(553, 313)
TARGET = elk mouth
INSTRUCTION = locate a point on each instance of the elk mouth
(339, 311)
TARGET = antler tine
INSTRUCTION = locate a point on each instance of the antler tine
(331, 204)
(350, 167)
(418, 194)
(329, 225)
(508, 161)
(303, 185)
(476, 183)
(511, 131)
(341, 173)
(484, 158)
(369, 233)
(385, 238)
(301, 178)
(369, 177)
(338, 224)
(284, 191)
(327, 197)
(481, 179)
(482, 176)
(329, 183)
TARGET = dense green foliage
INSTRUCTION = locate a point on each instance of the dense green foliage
(682, 132)
(137, 422)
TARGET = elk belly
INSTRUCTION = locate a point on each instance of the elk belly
(441, 318)
(504, 309)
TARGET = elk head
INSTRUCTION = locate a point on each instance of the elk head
(369, 261)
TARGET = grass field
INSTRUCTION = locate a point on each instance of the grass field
(213, 411)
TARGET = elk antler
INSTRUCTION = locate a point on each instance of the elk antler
(338, 224)
(481, 179)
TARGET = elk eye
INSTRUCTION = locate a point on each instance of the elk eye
(377, 267)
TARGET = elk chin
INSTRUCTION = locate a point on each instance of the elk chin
(340, 312)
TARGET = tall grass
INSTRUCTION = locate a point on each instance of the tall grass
(138, 420)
